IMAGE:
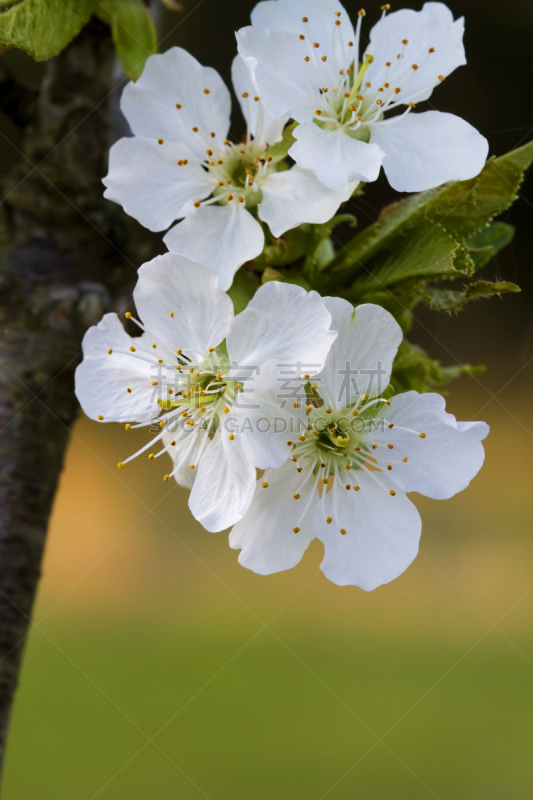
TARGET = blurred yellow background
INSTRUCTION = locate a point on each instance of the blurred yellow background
(158, 667)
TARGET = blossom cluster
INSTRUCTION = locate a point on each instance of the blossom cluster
(281, 419)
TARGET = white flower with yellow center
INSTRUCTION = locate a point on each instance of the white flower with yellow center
(352, 457)
(306, 60)
(184, 373)
(181, 164)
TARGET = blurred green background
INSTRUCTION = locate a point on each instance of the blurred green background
(159, 668)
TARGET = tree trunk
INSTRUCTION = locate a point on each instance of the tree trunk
(64, 254)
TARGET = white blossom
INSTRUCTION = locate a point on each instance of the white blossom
(180, 164)
(184, 373)
(351, 456)
(307, 63)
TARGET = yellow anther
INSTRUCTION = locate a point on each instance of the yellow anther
(347, 466)
(170, 391)
(306, 58)
(100, 417)
(328, 410)
(324, 58)
(265, 484)
(301, 438)
(373, 446)
(178, 106)
(231, 437)
(296, 530)
(160, 141)
(431, 50)
(295, 405)
(329, 520)
(325, 481)
(299, 469)
(356, 488)
(197, 204)
(323, 465)
(390, 446)
(309, 409)
(397, 90)
(127, 314)
(160, 361)
(316, 44)
(359, 96)
(151, 457)
(229, 197)
(405, 459)
(441, 78)
(305, 19)
(355, 413)
(391, 425)
(245, 94)
(109, 352)
(348, 486)
(386, 7)
(414, 66)
(411, 105)
(121, 465)
(179, 352)
(206, 91)
(318, 112)
(389, 467)
(241, 199)
(289, 444)
(405, 41)
(296, 496)
(361, 13)
(256, 98)
(422, 435)
(191, 466)
(132, 349)
(195, 129)
(166, 477)
(379, 102)
(128, 390)
(343, 532)
(127, 426)
(172, 314)
(337, 22)
(226, 410)
(392, 493)
(302, 37)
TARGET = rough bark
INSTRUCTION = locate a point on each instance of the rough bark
(65, 252)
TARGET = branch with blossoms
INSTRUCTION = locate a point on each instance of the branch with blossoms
(268, 361)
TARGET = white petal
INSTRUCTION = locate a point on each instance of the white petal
(279, 15)
(265, 535)
(222, 237)
(276, 61)
(202, 313)
(382, 534)
(177, 78)
(102, 379)
(266, 414)
(334, 157)
(185, 450)
(296, 196)
(428, 149)
(360, 359)
(433, 27)
(145, 179)
(285, 323)
(262, 127)
(225, 482)
(445, 461)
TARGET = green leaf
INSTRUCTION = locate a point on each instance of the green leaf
(484, 245)
(415, 370)
(447, 300)
(242, 290)
(432, 228)
(134, 33)
(43, 27)
(280, 149)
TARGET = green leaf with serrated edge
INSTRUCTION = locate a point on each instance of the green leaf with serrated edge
(415, 370)
(448, 300)
(280, 149)
(462, 209)
(432, 254)
(242, 290)
(134, 33)
(43, 27)
(487, 243)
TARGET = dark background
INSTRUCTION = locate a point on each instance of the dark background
(289, 687)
